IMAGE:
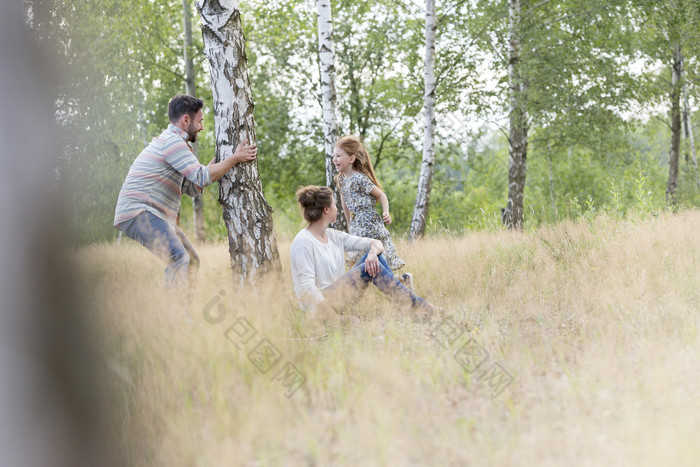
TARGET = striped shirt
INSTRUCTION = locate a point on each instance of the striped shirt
(159, 176)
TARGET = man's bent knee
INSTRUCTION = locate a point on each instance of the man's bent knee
(194, 259)
(181, 258)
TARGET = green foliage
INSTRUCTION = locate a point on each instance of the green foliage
(589, 67)
(120, 63)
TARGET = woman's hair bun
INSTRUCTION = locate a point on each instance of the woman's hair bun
(306, 196)
(313, 199)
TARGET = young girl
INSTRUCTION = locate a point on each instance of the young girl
(359, 192)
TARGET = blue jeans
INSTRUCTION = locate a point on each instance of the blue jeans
(167, 242)
(357, 279)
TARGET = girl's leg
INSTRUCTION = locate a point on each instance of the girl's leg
(355, 281)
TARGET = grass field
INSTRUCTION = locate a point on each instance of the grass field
(575, 344)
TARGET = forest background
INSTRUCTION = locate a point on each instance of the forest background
(593, 321)
(600, 93)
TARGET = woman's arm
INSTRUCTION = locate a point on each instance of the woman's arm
(355, 243)
(301, 257)
(376, 248)
(384, 201)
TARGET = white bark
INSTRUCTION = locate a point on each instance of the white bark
(689, 133)
(552, 198)
(517, 154)
(326, 55)
(420, 211)
(248, 216)
(200, 232)
(674, 151)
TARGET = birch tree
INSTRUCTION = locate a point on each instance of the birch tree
(517, 116)
(247, 214)
(562, 67)
(670, 38)
(690, 138)
(420, 211)
(674, 151)
(200, 232)
(326, 55)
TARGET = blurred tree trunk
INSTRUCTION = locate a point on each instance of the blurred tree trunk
(673, 154)
(689, 132)
(200, 232)
(517, 154)
(420, 211)
(326, 55)
(248, 216)
(552, 197)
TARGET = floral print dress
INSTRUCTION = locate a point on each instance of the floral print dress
(365, 221)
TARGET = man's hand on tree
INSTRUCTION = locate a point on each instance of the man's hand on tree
(245, 152)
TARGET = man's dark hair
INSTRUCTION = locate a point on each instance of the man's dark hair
(183, 104)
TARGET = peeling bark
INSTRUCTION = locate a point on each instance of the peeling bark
(420, 210)
(247, 214)
(326, 55)
(517, 153)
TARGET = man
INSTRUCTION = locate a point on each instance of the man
(150, 197)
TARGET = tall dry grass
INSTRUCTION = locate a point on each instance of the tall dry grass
(597, 324)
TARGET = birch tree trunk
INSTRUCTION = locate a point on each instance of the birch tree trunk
(517, 154)
(420, 211)
(200, 232)
(326, 55)
(248, 216)
(689, 133)
(673, 154)
(552, 198)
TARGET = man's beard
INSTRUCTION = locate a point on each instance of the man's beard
(192, 133)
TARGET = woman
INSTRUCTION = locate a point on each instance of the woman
(318, 253)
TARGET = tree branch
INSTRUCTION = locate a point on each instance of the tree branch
(454, 63)
(410, 13)
(568, 16)
(378, 154)
(534, 7)
(663, 120)
(158, 65)
(455, 6)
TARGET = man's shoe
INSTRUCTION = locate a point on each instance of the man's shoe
(407, 280)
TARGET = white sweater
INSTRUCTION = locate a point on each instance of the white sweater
(316, 265)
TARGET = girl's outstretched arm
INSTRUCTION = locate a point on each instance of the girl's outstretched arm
(384, 201)
(346, 211)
